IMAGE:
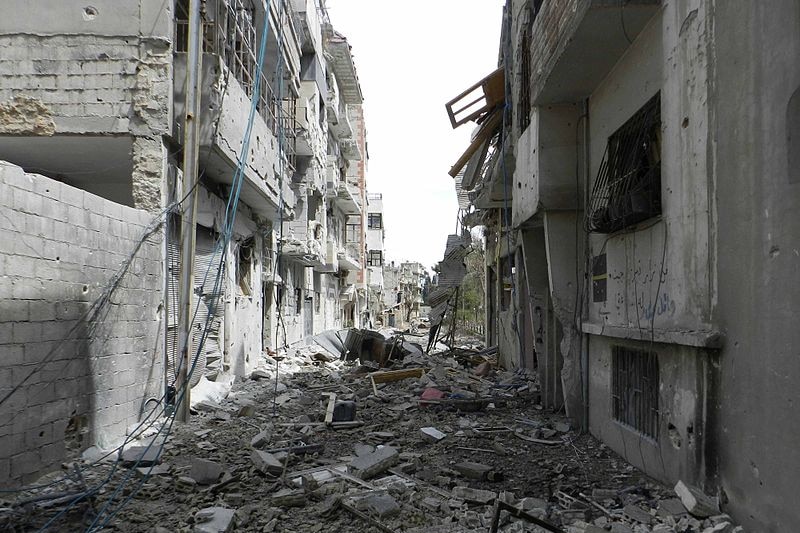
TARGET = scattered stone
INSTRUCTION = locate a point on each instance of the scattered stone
(261, 440)
(259, 374)
(483, 369)
(432, 434)
(214, 520)
(185, 484)
(205, 472)
(634, 512)
(672, 507)
(562, 427)
(619, 527)
(431, 393)
(363, 449)
(266, 462)
(289, 498)
(380, 504)
(141, 455)
(372, 464)
(697, 503)
(529, 504)
(246, 411)
(478, 471)
(722, 527)
(474, 495)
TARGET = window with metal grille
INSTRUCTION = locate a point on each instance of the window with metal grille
(627, 189)
(634, 389)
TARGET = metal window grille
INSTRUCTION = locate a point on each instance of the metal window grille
(524, 107)
(634, 389)
(627, 189)
(229, 32)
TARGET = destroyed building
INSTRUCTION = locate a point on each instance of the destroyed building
(92, 101)
(405, 284)
(376, 257)
(635, 167)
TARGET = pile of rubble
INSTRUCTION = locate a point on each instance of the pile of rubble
(324, 440)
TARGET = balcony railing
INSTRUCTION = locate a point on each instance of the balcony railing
(228, 32)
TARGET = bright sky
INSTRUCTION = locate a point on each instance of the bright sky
(412, 57)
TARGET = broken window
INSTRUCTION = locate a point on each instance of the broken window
(634, 389)
(298, 300)
(375, 258)
(627, 189)
(375, 221)
(244, 268)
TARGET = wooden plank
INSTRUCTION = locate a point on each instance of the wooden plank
(493, 88)
(388, 376)
(484, 134)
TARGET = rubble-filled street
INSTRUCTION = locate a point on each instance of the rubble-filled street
(435, 443)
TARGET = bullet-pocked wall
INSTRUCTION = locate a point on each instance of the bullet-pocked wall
(80, 353)
(753, 104)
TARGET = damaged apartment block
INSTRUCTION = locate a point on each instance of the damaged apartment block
(633, 169)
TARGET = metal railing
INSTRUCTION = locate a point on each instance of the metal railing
(229, 32)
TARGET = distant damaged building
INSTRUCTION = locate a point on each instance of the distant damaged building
(635, 165)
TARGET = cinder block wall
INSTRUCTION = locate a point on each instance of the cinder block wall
(87, 380)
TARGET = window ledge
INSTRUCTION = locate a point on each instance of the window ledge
(706, 338)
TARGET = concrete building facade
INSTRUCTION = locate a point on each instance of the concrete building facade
(637, 194)
(92, 107)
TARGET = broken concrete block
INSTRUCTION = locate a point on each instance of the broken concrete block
(432, 434)
(261, 440)
(214, 520)
(722, 527)
(380, 504)
(672, 507)
(372, 464)
(185, 484)
(619, 527)
(289, 498)
(474, 495)
(528, 504)
(697, 503)
(266, 462)
(142, 455)
(205, 472)
(634, 512)
(562, 427)
(477, 471)
(363, 449)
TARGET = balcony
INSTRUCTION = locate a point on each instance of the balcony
(342, 127)
(306, 247)
(331, 258)
(332, 177)
(582, 41)
(350, 256)
(228, 85)
(350, 149)
(347, 200)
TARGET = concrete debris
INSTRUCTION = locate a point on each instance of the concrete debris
(697, 503)
(474, 495)
(205, 472)
(141, 455)
(432, 434)
(372, 464)
(266, 462)
(433, 451)
(214, 520)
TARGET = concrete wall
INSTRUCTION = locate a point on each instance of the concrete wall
(59, 247)
(756, 72)
(73, 69)
(659, 276)
(685, 437)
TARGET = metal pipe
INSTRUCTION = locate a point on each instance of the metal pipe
(191, 151)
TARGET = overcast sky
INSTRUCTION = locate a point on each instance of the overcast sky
(412, 57)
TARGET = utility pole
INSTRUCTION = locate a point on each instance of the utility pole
(191, 150)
